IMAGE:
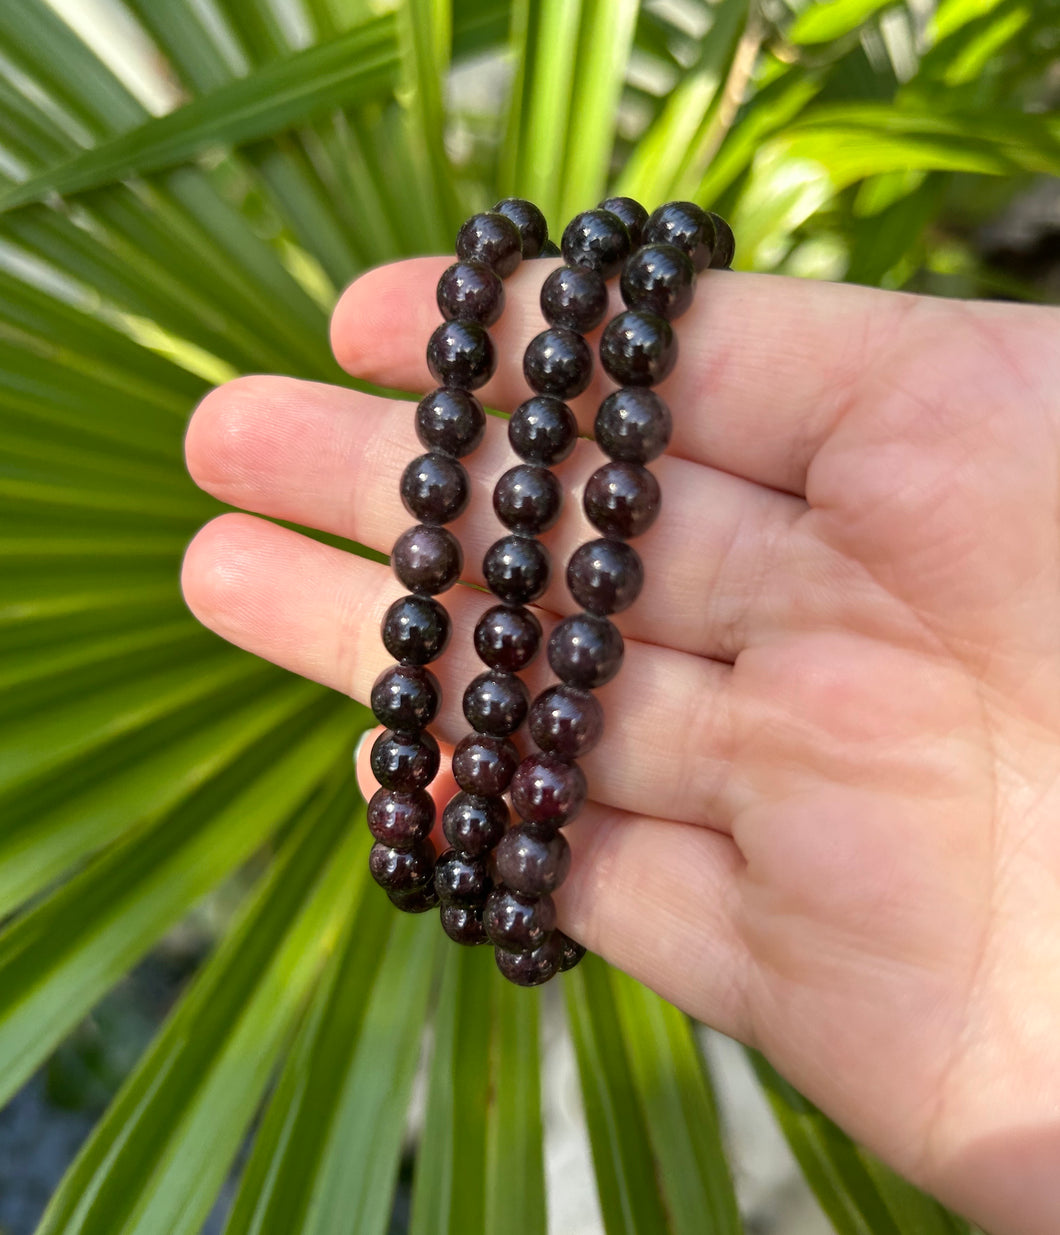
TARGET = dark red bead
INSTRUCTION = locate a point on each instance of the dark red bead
(533, 228)
(406, 698)
(415, 900)
(566, 721)
(543, 430)
(483, 764)
(517, 923)
(435, 488)
(558, 362)
(416, 630)
(685, 225)
(461, 354)
(405, 761)
(575, 297)
(462, 925)
(572, 952)
(597, 239)
(474, 823)
(517, 569)
(470, 291)
(427, 559)
(400, 820)
(491, 238)
(660, 279)
(401, 870)
(605, 576)
(528, 499)
(585, 650)
(450, 421)
(638, 348)
(496, 703)
(633, 425)
(530, 863)
(507, 637)
(622, 499)
(532, 968)
(724, 243)
(548, 791)
(461, 879)
(631, 212)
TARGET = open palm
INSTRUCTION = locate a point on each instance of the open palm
(826, 811)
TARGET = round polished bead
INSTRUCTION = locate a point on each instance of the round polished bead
(631, 212)
(724, 243)
(572, 952)
(401, 870)
(405, 761)
(483, 764)
(550, 249)
(460, 879)
(530, 863)
(558, 362)
(566, 721)
(400, 820)
(528, 498)
(471, 291)
(496, 703)
(638, 348)
(575, 297)
(406, 698)
(517, 923)
(416, 630)
(416, 900)
(435, 488)
(685, 225)
(463, 925)
(461, 353)
(517, 569)
(427, 559)
(474, 823)
(507, 637)
(622, 499)
(597, 239)
(633, 425)
(533, 229)
(659, 278)
(605, 576)
(450, 421)
(548, 791)
(532, 968)
(543, 430)
(491, 238)
(585, 650)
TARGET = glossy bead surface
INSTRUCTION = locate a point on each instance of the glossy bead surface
(585, 650)
(566, 721)
(605, 576)
(406, 698)
(533, 228)
(558, 362)
(435, 488)
(491, 238)
(528, 499)
(461, 880)
(462, 354)
(543, 430)
(427, 559)
(631, 212)
(517, 569)
(462, 925)
(416, 900)
(724, 243)
(400, 820)
(416, 630)
(533, 968)
(572, 952)
(472, 291)
(550, 249)
(659, 278)
(450, 421)
(496, 703)
(633, 425)
(622, 499)
(597, 239)
(517, 923)
(474, 823)
(401, 870)
(638, 348)
(548, 791)
(530, 863)
(405, 761)
(483, 764)
(575, 297)
(507, 637)
(685, 225)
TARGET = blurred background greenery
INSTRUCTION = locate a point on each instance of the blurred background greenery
(185, 186)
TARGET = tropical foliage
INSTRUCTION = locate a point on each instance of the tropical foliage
(146, 256)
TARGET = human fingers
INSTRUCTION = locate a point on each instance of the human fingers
(722, 561)
(317, 611)
(767, 365)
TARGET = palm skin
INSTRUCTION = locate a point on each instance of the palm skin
(826, 814)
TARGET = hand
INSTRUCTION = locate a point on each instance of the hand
(826, 810)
